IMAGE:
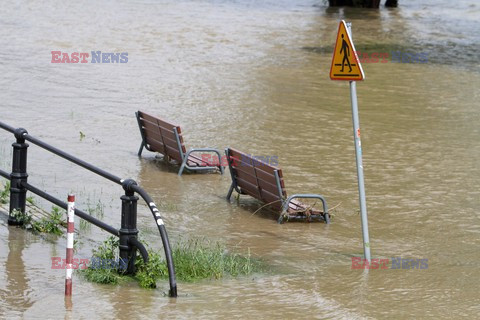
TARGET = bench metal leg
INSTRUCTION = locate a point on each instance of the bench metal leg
(229, 195)
(280, 219)
(142, 145)
(182, 167)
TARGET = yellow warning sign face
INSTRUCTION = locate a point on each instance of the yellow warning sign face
(345, 64)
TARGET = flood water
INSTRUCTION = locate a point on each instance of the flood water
(253, 76)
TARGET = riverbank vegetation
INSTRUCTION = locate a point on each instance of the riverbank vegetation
(198, 259)
(51, 222)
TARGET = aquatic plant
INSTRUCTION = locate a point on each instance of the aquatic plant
(50, 224)
(5, 193)
(30, 200)
(106, 251)
(202, 259)
(148, 274)
(23, 218)
(198, 259)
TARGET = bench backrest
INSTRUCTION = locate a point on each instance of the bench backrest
(256, 178)
(161, 136)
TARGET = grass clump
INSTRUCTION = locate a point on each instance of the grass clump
(201, 259)
(5, 193)
(23, 218)
(51, 224)
(148, 274)
(30, 200)
(194, 260)
(106, 252)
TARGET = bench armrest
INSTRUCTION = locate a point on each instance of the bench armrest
(305, 196)
(185, 158)
(202, 150)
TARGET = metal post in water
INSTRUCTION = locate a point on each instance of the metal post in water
(70, 234)
(358, 153)
(18, 194)
(128, 226)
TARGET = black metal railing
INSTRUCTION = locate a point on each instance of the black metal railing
(128, 231)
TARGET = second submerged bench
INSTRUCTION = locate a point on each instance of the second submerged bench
(166, 138)
(265, 183)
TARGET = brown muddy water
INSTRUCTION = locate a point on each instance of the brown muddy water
(254, 76)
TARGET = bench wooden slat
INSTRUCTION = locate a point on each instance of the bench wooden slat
(159, 122)
(296, 205)
(248, 174)
(156, 146)
(268, 186)
(164, 129)
(245, 170)
(251, 194)
(164, 137)
(170, 142)
(179, 130)
(173, 153)
(149, 125)
(266, 168)
(270, 174)
(245, 175)
(165, 124)
(146, 116)
(245, 185)
(263, 175)
(152, 135)
(168, 133)
(237, 162)
(239, 156)
(197, 161)
(258, 179)
(273, 199)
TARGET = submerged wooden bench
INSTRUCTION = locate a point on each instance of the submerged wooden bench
(166, 138)
(265, 183)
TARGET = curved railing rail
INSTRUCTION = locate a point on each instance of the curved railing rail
(128, 231)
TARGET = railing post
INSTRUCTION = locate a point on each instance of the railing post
(18, 194)
(128, 226)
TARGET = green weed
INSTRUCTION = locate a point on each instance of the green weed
(201, 259)
(194, 260)
(106, 251)
(51, 224)
(24, 218)
(30, 200)
(97, 211)
(147, 274)
(5, 193)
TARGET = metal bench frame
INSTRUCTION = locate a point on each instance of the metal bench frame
(284, 215)
(184, 155)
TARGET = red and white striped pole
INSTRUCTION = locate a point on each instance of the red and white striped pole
(70, 233)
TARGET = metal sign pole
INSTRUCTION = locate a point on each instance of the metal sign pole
(358, 153)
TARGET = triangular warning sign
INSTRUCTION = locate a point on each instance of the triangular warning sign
(345, 64)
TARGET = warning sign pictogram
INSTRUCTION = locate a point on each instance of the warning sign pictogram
(345, 64)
